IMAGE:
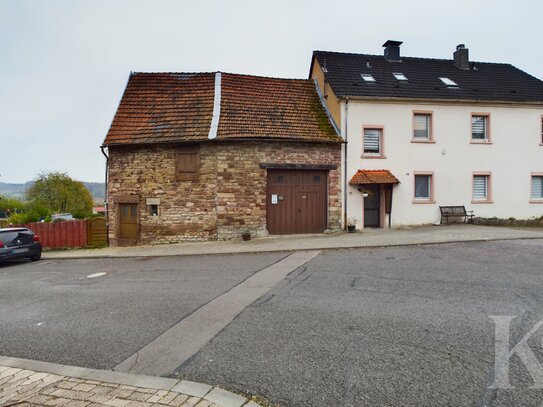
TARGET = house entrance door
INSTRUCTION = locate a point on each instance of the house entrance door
(372, 206)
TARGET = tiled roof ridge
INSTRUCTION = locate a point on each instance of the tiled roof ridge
(240, 75)
(411, 58)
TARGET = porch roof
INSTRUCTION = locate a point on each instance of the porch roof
(363, 177)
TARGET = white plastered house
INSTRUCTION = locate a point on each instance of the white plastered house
(423, 133)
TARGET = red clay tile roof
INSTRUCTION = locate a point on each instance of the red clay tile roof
(373, 177)
(163, 107)
(170, 107)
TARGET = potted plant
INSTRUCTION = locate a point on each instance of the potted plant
(246, 235)
(351, 224)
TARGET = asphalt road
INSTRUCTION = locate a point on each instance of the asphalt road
(397, 326)
(402, 326)
(50, 311)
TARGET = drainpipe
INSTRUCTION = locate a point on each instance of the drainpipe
(106, 203)
(345, 182)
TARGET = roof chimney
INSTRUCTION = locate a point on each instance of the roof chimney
(461, 57)
(392, 50)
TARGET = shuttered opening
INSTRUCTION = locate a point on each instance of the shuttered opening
(296, 201)
(372, 141)
(422, 126)
(480, 187)
(478, 127)
(537, 187)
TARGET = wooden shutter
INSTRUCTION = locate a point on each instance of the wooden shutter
(187, 165)
(421, 126)
(537, 187)
(478, 127)
(480, 187)
(372, 141)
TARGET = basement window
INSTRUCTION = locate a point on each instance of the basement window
(400, 76)
(367, 77)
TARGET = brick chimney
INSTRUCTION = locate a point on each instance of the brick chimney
(461, 57)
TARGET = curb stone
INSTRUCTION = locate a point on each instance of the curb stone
(26, 372)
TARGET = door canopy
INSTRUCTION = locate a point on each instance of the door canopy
(364, 177)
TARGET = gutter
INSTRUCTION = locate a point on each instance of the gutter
(106, 203)
(439, 101)
(345, 184)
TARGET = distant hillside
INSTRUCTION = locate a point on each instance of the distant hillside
(97, 189)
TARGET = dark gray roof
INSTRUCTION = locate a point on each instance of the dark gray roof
(482, 82)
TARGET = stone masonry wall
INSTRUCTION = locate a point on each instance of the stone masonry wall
(228, 197)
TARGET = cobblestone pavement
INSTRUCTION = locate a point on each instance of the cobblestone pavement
(22, 387)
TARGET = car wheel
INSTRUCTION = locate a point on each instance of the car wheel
(36, 258)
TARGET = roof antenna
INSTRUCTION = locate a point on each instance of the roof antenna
(368, 65)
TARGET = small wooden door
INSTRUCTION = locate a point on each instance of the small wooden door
(128, 223)
(372, 206)
(309, 209)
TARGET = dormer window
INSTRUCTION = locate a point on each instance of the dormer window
(367, 77)
(400, 76)
(449, 82)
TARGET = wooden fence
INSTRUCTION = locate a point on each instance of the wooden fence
(73, 233)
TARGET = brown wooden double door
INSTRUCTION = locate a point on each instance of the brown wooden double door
(296, 201)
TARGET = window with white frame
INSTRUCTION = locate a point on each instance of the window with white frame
(373, 139)
(481, 187)
(422, 126)
(479, 128)
(423, 187)
(537, 186)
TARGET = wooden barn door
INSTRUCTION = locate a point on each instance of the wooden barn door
(296, 201)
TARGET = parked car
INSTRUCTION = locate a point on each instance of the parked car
(16, 243)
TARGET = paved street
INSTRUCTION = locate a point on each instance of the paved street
(396, 326)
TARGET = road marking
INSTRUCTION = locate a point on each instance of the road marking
(96, 275)
(182, 341)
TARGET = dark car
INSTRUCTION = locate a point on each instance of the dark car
(16, 243)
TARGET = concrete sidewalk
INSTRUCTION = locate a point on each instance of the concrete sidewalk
(26, 382)
(366, 238)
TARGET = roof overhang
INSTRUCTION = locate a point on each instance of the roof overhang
(354, 98)
(365, 177)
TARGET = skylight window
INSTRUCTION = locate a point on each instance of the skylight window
(400, 76)
(449, 82)
(368, 78)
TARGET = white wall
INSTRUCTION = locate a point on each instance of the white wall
(515, 152)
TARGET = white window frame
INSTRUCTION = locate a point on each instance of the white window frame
(486, 129)
(429, 126)
(381, 152)
(431, 187)
(488, 188)
(536, 177)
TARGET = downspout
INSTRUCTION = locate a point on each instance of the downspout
(106, 203)
(345, 183)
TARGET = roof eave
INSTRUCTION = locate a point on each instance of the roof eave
(438, 100)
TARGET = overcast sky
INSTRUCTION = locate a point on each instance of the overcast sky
(64, 64)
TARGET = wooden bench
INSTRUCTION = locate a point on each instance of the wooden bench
(456, 212)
